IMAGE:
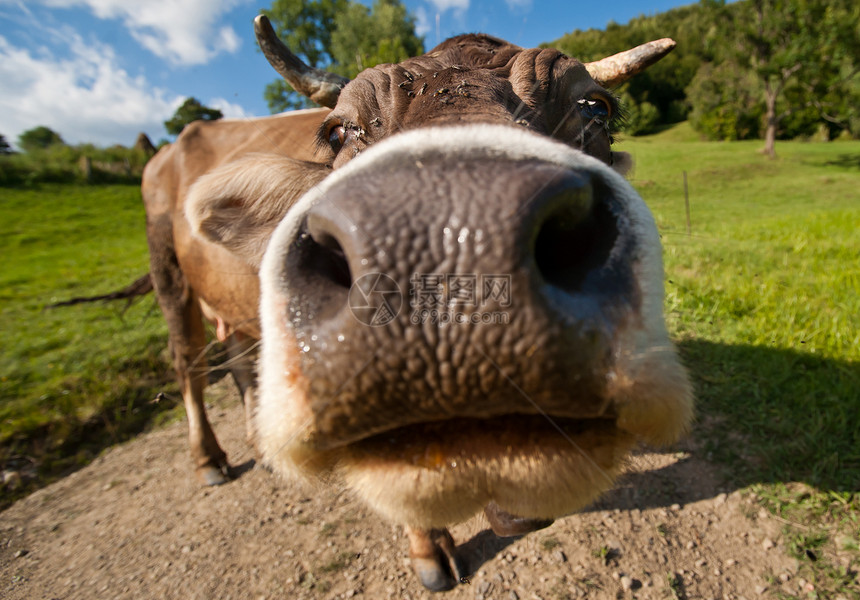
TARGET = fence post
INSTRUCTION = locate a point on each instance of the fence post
(687, 205)
(86, 166)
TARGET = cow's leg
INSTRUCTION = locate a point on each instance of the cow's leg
(434, 558)
(242, 351)
(507, 525)
(188, 345)
(210, 460)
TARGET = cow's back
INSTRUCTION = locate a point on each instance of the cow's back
(205, 145)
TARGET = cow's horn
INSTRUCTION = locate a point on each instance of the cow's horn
(320, 86)
(618, 68)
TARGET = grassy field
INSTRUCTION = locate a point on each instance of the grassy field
(763, 298)
(73, 380)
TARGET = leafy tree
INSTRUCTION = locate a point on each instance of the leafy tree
(363, 38)
(753, 68)
(305, 27)
(39, 138)
(639, 117)
(5, 148)
(342, 36)
(191, 110)
(725, 102)
(803, 53)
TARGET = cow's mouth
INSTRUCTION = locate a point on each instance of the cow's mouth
(453, 443)
(434, 474)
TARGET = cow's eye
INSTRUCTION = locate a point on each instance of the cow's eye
(337, 138)
(595, 108)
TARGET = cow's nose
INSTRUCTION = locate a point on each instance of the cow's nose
(423, 281)
(553, 229)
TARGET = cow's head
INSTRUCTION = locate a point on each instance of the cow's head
(462, 304)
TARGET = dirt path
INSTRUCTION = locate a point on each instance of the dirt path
(134, 524)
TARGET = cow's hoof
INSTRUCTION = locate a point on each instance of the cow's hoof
(434, 558)
(507, 525)
(434, 574)
(209, 476)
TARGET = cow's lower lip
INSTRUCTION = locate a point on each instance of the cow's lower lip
(434, 474)
(452, 443)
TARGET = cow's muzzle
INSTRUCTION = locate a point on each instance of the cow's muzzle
(460, 291)
(431, 287)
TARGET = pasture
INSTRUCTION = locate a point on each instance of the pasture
(77, 379)
(763, 298)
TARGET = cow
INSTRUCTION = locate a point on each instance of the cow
(458, 295)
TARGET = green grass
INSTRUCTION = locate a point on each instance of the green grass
(73, 380)
(764, 300)
(764, 296)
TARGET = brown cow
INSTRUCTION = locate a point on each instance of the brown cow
(530, 353)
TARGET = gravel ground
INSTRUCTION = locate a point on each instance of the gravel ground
(134, 524)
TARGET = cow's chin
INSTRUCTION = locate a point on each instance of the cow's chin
(440, 473)
(437, 474)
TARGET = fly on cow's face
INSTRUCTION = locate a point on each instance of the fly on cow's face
(336, 134)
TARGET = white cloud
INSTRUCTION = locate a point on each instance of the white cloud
(184, 32)
(229, 110)
(519, 4)
(422, 21)
(443, 5)
(81, 93)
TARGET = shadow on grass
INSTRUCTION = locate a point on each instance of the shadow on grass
(136, 403)
(793, 416)
(848, 161)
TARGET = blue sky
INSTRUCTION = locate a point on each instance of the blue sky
(102, 70)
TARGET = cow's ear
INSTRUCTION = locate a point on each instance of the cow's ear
(238, 205)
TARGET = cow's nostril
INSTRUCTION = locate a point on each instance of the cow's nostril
(318, 271)
(575, 240)
(325, 258)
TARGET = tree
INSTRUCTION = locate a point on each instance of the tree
(39, 138)
(363, 38)
(639, 118)
(342, 36)
(802, 52)
(726, 102)
(5, 148)
(191, 110)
